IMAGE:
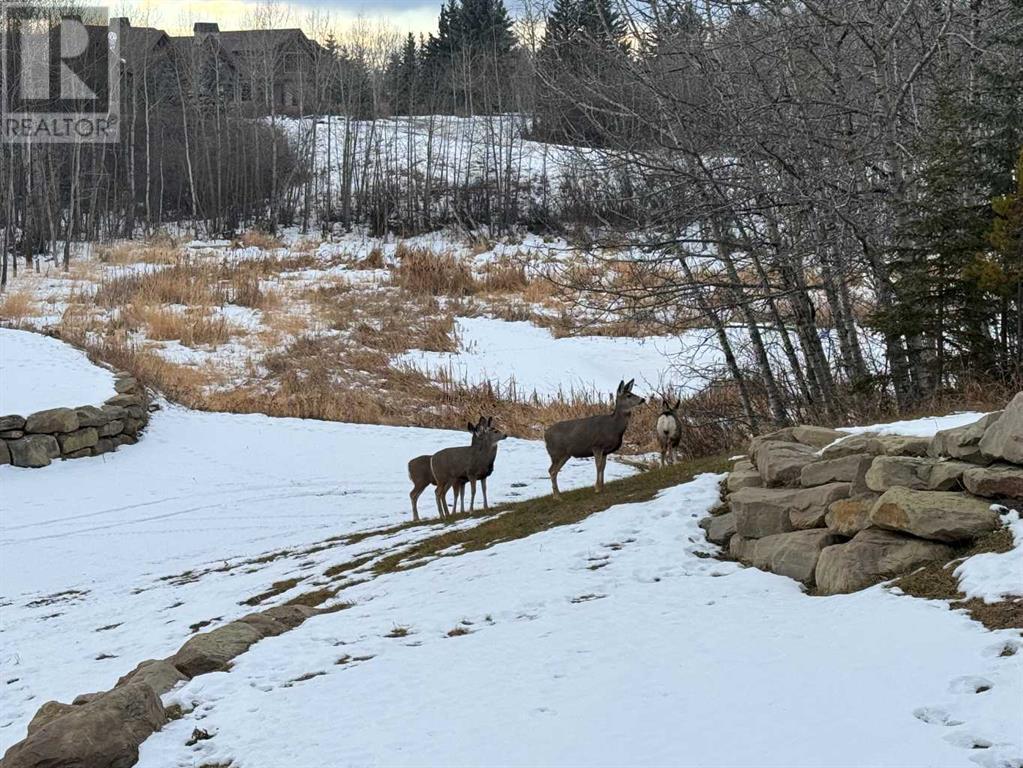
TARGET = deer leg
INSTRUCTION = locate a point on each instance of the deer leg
(441, 501)
(600, 459)
(461, 495)
(556, 466)
(483, 483)
(472, 497)
(414, 495)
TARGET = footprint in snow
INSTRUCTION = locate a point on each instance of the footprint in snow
(935, 716)
(970, 684)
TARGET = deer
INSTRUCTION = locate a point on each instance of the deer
(595, 436)
(454, 467)
(668, 430)
(483, 478)
(421, 475)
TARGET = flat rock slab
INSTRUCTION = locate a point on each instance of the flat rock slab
(720, 528)
(817, 437)
(763, 512)
(866, 442)
(846, 469)
(104, 732)
(871, 557)
(935, 515)
(847, 517)
(781, 463)
(1003, 438)
(743, 478)
(963, 442)
(902, 445)
(921, 474)
(52, 421)
(741, 548)
(793, 554)
(998, 481)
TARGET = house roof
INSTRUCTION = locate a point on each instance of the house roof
(141, 45)
(244, 41)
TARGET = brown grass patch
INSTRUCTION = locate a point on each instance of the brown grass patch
(192, 327)
(422, 271)
(277, 588)
(504, 276)
(16, 306)
(373, 260)
(256, 238)
(148, 252)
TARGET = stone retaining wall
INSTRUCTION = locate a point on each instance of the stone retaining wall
(74, 433)
(840, 513)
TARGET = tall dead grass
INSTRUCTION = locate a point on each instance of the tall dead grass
(425, 272)
(257, 238)
(17, 306)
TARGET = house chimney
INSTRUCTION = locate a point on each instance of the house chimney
(203, 28)
(121, 22)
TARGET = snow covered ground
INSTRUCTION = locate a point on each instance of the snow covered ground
(613, 641)
(28, 359)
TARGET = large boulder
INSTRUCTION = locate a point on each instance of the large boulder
(743, 475)
(922, 474)
(77, 440)
(998, 481)
(5, 453)
(91, 416)
(793, 554)
(865, 442)
(847, 517)
(50, 711)
(212, 651)
(781, 463)
(158, 674)
(763, 512)
(779, 435)
(52, 421)
(719, 528)
(818, 437)
(847, 469)
(740, 548)
(963, 442)
(103, 733)
(873, 556)
(12, 422)
(1003, 439)
(290, 615)
(33, 450)
(936, 515)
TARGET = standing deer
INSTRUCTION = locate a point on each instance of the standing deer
(669, 430)
(421, 475)
(486, 473)
(454, 467)
(595, 436)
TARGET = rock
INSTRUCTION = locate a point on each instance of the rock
(11, 422)
(871, 557)
(158, 674)
(780, 463)
(719, 529)
(123, 439)
(937, 515)
(103, 445)
(85, 698)
(12, 434)
(49, 712)
(91, 416)
(741, 548)
(793, 554)
(999, 481)
(865, 442)
(743, 478)
(126, 385)
(211, 651)
(915, 473)
(265, 625)
(114, 412)
(81, 453)
(132, 426)
(763, 512)
(111, 428)
(34, 451)
(779, 435)
(847, 517)
(77, 440)
(290, 615)
(5, 453)
(1003, 439)
(818, 437)
(103, 733)
(901, 445)
(52, 421)
(847, 469)
(963, 442)
(125, 400)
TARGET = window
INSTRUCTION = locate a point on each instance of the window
(246, 90)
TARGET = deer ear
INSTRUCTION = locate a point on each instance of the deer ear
(628, 387)
(621, 386)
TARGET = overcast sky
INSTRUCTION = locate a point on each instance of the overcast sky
(177, 16)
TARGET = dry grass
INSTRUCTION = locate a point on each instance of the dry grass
(373, 260)
(422, 271)
(245, 291)
(16, 306)
(504, 275)
(256, 238)
(193, 327)
(128, 252)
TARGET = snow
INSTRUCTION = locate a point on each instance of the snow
(658, 657)
(200, 491)
(994, 576)
(37, 372)
(529, 359)
(925, 427)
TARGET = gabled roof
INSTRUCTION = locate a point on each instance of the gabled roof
(187, 46)
(242, 41)
(140, 46)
